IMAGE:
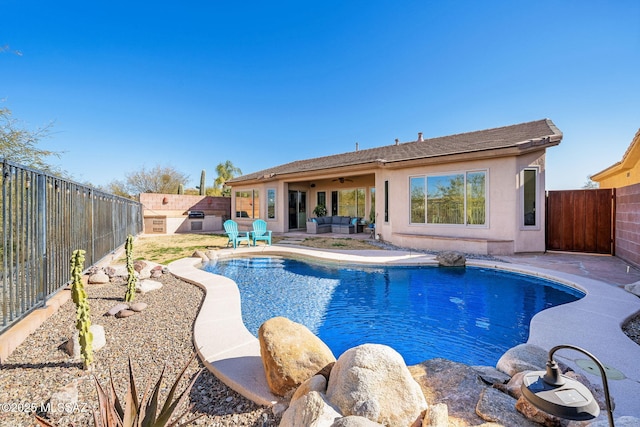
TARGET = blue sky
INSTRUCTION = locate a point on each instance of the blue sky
(192, 84)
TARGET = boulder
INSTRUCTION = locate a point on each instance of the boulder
(523, 357)
(491, 375)
(451, 259)
(138, 306)
(500, 408)
(634, 288)
(139, 265)
(98, 278)
(311, 410)
(147, 285)
(291, 354)
(372, 381)
(201, 255)
(125, 313)
(72, 346)
(157, 272)
(315, 383)
(116, 308)
(455, 384)
(354, 421)
(64, 399)
(436, 416)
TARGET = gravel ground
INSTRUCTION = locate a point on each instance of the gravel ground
(160, 334)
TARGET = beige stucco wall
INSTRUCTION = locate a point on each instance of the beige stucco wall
(503, 233)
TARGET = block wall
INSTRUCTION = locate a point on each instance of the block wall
(628, 224)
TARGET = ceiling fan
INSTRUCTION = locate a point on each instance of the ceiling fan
(342, 180)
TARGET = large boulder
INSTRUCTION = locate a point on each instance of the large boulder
(523, 357)
(500, 408)
(372, 381)
(311, 410)
(291, 354)
(98, 278)
(451, 383)
(451, 259)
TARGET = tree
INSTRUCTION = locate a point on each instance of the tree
(159, 179)
(226, 171)
(20, 145)
(590, 184)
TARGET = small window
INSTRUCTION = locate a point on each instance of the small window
(386, 201)
(529, 196)
(248, 204)
(271, 203)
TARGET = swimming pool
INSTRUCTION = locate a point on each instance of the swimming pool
(469, 315)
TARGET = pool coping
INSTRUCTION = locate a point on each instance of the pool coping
(594, 322)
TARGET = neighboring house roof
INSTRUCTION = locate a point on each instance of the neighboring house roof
(522, 136)
(629, 160)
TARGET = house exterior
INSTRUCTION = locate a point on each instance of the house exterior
(625, 172)
(477, 192)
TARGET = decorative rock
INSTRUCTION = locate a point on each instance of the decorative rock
(372, 381)
(139, 265)
(500, 408)
(291, 354)
(534, 414)
(115, 309)
(138, 306)
(65, 397)
(311, 410)
(118, 271)
(455, 384)
(125, 313)
(147, 285)
(491, 375)
(156, 272)
(634, 288)
(451, 259)
(72, 346)
(98, 278)
(523, 357)
(201, 255)
(99, 337)
(315, 383)
(437, 416)
(355, 421)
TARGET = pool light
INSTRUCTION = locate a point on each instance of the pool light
(562, 396)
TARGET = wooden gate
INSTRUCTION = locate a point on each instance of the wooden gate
(581, 221)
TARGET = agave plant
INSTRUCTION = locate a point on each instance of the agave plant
(139, 412)
(144, 412)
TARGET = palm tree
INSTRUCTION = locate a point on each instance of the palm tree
(226, 171)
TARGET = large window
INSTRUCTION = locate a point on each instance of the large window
(351, 202)
(248, 204)
(449, 199)
(271, 203)
(529, 192)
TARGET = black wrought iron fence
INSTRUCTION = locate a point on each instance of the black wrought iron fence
(43, 220)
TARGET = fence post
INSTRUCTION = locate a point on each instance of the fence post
(41, 232)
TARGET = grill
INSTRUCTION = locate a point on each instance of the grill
(196, 214)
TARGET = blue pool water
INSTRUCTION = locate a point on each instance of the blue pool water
(468, 315)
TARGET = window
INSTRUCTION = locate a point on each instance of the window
(351, 202)
(386, 201)
(248, 204)
(529, 192)
(449, 199)
(372, 206)
(321, 199)
(271, 203)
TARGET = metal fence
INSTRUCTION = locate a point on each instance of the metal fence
(43, 220)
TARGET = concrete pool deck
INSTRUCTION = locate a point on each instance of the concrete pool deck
(232, 353)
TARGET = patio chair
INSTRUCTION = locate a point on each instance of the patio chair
(235, 236)
(260, 232)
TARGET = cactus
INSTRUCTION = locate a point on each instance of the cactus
(202, 182)
(180, 189)
(79, 296)
(131, 280)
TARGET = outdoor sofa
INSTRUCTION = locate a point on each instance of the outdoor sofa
(332, 224)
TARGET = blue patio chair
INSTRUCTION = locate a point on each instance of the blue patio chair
(260, 232)
(235, 236)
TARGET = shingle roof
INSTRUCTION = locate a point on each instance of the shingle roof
(540, 132)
